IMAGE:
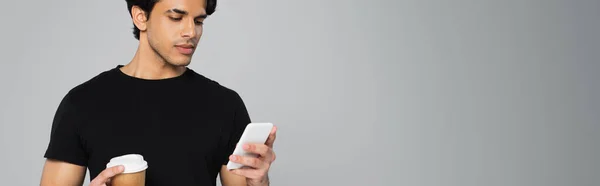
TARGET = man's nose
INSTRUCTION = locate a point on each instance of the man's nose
(189, 29)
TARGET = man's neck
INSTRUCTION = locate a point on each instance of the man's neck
(146, 64)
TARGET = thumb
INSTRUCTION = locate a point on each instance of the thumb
(105, 175)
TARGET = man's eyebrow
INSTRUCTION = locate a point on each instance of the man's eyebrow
(175, 10)
(183, 12)
(201, 16)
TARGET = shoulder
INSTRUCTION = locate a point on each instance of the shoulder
(216, 89)
(90, 87)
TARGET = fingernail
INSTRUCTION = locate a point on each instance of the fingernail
(121, 168)
(232, 157)
(246, 147)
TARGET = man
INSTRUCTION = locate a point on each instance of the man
(184, 124)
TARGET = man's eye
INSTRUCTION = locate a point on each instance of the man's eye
(199, 22)
(175, 18)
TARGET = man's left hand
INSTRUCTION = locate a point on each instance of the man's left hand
(256, 169)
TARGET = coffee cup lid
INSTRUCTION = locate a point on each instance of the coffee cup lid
(132, 162)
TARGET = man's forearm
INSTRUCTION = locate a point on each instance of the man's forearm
(263, 182)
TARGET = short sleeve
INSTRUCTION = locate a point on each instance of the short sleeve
(65, 142)
(234, 132)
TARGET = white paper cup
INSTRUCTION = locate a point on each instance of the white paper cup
(134, 173)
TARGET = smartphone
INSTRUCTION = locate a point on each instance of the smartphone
(253, 133)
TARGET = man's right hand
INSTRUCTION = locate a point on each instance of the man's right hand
(103, 179)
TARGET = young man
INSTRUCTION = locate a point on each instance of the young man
(184, 124)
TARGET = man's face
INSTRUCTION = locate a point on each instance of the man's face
(174, 29)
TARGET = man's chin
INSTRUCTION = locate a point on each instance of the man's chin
(181, 62)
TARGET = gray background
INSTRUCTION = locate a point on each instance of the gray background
(398, 92)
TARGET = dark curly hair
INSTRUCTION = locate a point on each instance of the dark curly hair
(148, 5)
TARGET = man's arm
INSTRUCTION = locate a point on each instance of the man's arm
(256, 172)
(65, 156)
(230, 179)
(58, 173)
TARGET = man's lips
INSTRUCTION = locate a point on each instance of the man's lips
(186, 49)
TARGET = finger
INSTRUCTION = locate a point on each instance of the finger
(105, 175)
(248, 161)
(260, 149)
(265, 152)
(250, 173)
(273, 156)
(272, 137)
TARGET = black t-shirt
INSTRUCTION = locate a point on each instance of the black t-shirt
(185, 127)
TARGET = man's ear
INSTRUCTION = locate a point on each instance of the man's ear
(139, 18)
